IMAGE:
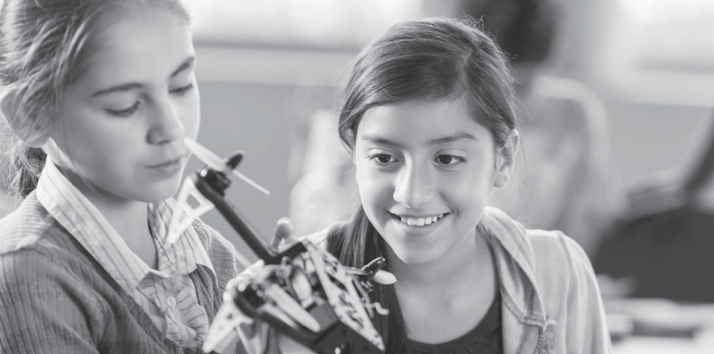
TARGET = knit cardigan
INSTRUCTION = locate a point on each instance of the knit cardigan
(56, 298)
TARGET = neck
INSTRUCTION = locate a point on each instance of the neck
(127, 217)
(463, 261)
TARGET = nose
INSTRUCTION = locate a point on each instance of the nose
(166, 125)
(414, 185)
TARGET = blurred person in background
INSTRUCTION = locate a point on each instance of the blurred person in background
(327, 191)
(566, 180)
(661, 247)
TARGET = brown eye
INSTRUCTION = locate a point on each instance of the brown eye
(382, 159)
(449, 160)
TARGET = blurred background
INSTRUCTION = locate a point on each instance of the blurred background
(268, 68)
(618, 130)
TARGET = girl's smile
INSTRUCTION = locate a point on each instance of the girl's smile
(420, 221)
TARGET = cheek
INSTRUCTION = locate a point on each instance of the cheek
(82, 144)
(373, 188)
(196, 104)
(470, 189)
(191, 118)
(371, 182)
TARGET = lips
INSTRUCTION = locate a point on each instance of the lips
(169, 162)
(169, 167)
(166, 164)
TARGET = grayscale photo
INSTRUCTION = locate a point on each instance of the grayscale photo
(356, 176)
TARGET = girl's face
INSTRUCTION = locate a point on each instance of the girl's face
(424, 172)
(122, 123)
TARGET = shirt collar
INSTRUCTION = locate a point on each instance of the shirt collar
(91, 229)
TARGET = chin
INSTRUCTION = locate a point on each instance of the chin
(154, 198)
(414, 257)
(159, 192)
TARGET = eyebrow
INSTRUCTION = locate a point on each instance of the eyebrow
(136, 85)
(459, 135)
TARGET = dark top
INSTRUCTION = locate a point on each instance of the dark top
(485, 338)
(668, 254)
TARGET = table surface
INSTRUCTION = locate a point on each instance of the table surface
(661, 318)
(703, 344)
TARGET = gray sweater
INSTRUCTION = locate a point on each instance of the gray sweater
(56, 298)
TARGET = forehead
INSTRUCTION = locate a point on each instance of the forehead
(420, 121)
(138, 46)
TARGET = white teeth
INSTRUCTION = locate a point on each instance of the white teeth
(421, 221)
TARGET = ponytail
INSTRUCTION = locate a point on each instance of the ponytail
(356, 244)
(24, 164)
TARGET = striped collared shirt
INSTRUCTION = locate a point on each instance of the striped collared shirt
(167, 294)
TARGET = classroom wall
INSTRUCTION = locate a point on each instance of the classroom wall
(254, 99)
(251, 100)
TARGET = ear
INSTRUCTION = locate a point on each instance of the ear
(28, 131)
(506, 159)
